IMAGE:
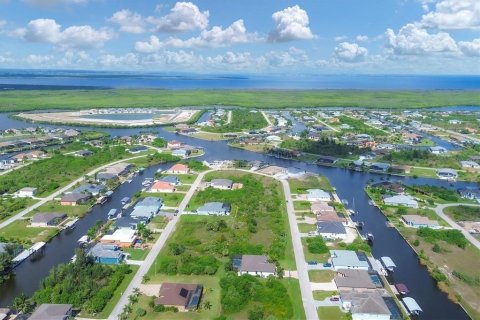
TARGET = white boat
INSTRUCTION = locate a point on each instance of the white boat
(71, 224)
(412, 306)
(112, 214)
(83, 240)
(388, 263)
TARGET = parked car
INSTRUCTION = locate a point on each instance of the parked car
(334, 299)
(312, 262)
(327, 265)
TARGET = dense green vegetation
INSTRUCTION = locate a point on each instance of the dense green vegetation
(15, 100)
(270, 298)
(436, 192)
(195, 165)
(10, 205)
(6, 261)
(159, 143)
(450, 236)
(316, 245)
(241, 120)
(325, 147)
(84, 284)
(421, 158)
(468, 279)
(464, 213)
(154, 158)
(49, 174)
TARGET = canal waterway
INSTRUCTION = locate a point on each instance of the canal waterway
(349, 185)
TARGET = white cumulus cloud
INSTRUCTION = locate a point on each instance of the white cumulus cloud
(184, 16)
(128, 21)
(152, 45)
(49, 31)
(350, 52)
(470, 48)
(414, 40)
(291, 24)
(361, 38)
(453, 14)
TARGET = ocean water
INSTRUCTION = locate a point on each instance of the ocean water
(61, 79)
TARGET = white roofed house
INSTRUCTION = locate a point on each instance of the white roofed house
(470, 164)
(401, 200)
(222, 184)
(447, 174)
(215, 209)
(438, 150)
(417, 221)
(347, 259)
(26, 192)
(318, 195)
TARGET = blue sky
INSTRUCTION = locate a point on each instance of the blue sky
(263, 36)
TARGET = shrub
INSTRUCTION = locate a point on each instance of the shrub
(316, 245)
(450, 236)
(141, 312)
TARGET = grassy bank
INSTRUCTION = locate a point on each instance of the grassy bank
(24, 100)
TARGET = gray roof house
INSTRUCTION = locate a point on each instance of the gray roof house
(74, 198)
(52, 312)
(347, 259)
(224, 184)
(354, 279)
(365, 305)
(401, 200)
(447, 174)
(93, 189)
(146, 208)
(331, 229)
(256, 265)
(47, 219)
(214, 208)
(173, 180)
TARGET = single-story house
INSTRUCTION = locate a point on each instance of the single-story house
(447, 174)
(470, 164)
(366, 305)
(392, 186)
(318, 195)
(380, 166)
(47, 219)
(174, 144)
(184, 297)
(122, 238)
(255, 265)
(137, 149)
(26, 192)
(469, 193)
(114, 171)
(146, 208)
(417, 221)
(347, 259)
(326, 160)
(223, 184)
(437, 150)
(92, 189)
(74, 198)
(359, 280)
(178, 168)
(161, 186)
(182, 153)
(83, 153)
(215, 208)
(331, 230)
(52, 312)
(173, 180)
(128, 222)
(321, 207)
(106, 254)
(330, 216)
(401, 200)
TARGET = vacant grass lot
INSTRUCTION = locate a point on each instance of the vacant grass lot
(306, 227)
(463, 213)
(54, 206)
(241, 120)
(331, 313)
(169, 199)
(300, 185)
(15, 100)
(136, 254)
(301, 205)
(321, 275)
(11, 206)
(322, 295)
(19, 231)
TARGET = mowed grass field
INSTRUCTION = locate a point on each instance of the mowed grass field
(23, 100)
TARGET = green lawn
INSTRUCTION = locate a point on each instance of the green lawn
(293, 288)
(331, 313)
(10, 206)
(322, 295)
(463, 213)
(320, 258)
(301, 205)
(158, 222)
(423, 172)
(116, 295)
(321, 275)
(18, 231)
(306, 227)
(300, 185)
(169, 199)
(15, 100)
(55, 206)
(136, 254)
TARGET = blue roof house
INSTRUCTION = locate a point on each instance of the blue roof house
(146, 208)
(106, 254)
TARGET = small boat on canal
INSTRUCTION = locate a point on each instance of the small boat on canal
(401, 288)
(412, 306)
(388, 263)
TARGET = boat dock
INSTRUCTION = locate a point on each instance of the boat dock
(388, 263)
(70, 224)
(37, 248)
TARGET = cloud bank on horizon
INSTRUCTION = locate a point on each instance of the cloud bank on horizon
(391, 36)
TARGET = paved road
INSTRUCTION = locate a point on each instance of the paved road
(58, 192)
(439, 211)
(326, 124)
(305, 287)
(267, 118)
(157, 247)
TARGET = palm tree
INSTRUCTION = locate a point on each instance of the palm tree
(136, 291)
(127, 309)
(132, 299)
(22, 304)
(207, 305)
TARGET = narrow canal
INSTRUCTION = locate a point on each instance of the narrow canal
(349, 184)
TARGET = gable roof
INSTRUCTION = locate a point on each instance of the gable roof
(74, 197)
(46, 217)
(179, 294)
(335, 227)
(51, 312)
(351, 278)
(370, 302)
(256, 263)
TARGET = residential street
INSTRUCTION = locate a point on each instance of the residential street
(157, 247)
(439, 211)
(305, 287)
(59, 192)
